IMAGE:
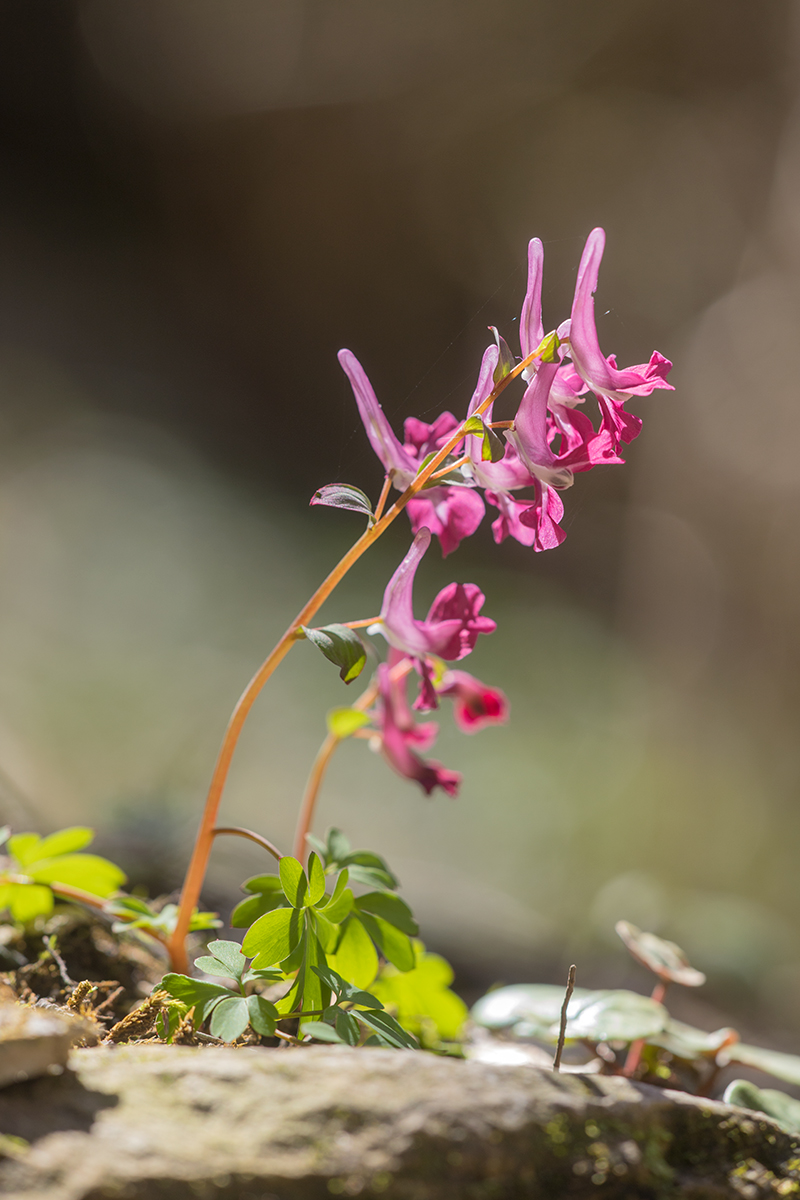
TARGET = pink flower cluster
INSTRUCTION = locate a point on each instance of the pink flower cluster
(551, 437)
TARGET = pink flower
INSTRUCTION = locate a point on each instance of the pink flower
(452, 513)
(398, 735)
(611, 385)
(453, 624)
(474, 704)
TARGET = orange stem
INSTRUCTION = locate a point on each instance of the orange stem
(387, 483)
(195, 874)
(320, 765)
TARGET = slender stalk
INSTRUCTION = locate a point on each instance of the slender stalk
(562, 1031)
(635, 1050)
(320, 765)
(239, 831)
(449, 470)
(384, 496)
(196, 870)
(362, 624)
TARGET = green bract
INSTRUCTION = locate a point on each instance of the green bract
(36, 866)
(341, 646)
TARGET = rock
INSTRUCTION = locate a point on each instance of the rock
(154, 1122)
(36, 1041)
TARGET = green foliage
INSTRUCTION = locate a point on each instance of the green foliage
(664, 959)
(299, 926)
(343, 1024)
(344, 495)
(341, 646)
(422, 1000)
(36, 866)
(230, 1012)
(364, 866)
(777, 1105)
(132, 912)
(344, 722)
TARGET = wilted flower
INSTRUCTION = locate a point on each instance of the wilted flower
(474, 704)
(398, 735)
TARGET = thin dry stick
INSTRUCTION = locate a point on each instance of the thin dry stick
(563, 1028)
(240, 831)
(196, 870)
(50, 943)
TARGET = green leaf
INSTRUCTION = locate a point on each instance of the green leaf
(29, 901)
(24, 847)
(344, 495)
(356, 959)
(273, 937)
(263, 1015)
(327, 932)
(344, 990)
(772, 1062)
(226, 958)
(348, 1028)
(783, 1109)
(316, 879)
(315, 994)
(390, 908)
(293, 879)
(422, 999)
(266, 976)
(343, 722)
(340, 902)
(5, 834)
(505, 361)
(66, 841)
(248, 911)
(663, 958)
(373, 877)
(474, 425)
(230, 1018)
(393, 944)
(194, 993)
(611, 1016)
(690, 1044)
(86, 871)
(338, 845)
(265, 884)
(387, 1027)
(527, 1007)
(341, 646)
(320, 1031)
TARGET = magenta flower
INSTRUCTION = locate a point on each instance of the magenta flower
(453, 624)
(451, 513)
(611, 385)
(398, 735)
(474, 704)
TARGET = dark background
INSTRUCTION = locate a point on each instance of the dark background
(200, 203)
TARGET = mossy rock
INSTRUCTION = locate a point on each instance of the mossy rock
(169, 1123)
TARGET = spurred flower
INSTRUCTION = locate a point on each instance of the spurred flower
(397, 738)
(474, 704)
(453, 624)
(611, 385)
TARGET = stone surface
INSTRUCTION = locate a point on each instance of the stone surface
(169, 1123)
(36, 1041)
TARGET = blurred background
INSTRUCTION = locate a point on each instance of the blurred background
(200, 202)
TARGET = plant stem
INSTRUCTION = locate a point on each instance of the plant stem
(324, 755)
(196, 870)
(387, 483)
(239, 831)
(635, 1052)
(362, 624)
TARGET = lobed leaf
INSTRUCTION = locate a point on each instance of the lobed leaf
(262, 1015)
(320, 1031)
(356, 959)
(663, 958)
(393, 944)
(65, 841)
(273, 937)
(230, 1018)
(316, 879)
(422, 999)
(86, 871)
(294, 882)
(341, 646)
(194, 993)
(29, 901)
(226, 958)
(390, 908)
(387, 1028)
